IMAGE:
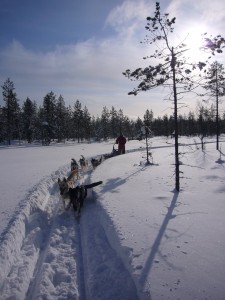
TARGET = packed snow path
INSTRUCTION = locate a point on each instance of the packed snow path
(47, 253)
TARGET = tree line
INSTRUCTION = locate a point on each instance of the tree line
(54, 121)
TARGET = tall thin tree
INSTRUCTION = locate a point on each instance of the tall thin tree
(215, 86)
(169, 68)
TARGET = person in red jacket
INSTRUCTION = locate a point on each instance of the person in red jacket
(121, 141)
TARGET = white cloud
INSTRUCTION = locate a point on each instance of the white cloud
(128, 16)
(91, 70)
(203, 13)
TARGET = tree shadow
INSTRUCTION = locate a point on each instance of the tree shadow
(113, 183)
(155, 247)
(220, 160)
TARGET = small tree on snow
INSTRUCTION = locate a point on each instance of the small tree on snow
(146, 131)
(215, 85)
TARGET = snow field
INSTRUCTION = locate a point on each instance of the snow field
(136, 239)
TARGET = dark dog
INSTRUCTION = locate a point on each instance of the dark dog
(95, 162)
(78, 194)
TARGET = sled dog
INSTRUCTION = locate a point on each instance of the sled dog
(83, 162)
(65, 185)
(78, 194)
(96, 162)
(74, 166)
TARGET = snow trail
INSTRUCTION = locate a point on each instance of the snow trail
(43, 253)
(20, 243)
(106, 275)
(56, 267)
(58, 255)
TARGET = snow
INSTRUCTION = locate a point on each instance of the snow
(136, 238)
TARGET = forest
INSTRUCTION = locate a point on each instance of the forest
(54, 121)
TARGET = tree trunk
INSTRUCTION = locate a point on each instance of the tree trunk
(177, 172)
(146, 139)
(217, 114)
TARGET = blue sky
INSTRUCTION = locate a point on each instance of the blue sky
(41, 25)
(79, 48)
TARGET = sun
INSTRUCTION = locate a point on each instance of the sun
(195, 41)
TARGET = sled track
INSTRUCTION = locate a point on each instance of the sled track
(46, 252)
(80, 265)
(64, 232)
(35, 282)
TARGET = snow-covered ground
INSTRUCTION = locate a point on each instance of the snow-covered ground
(136, 238)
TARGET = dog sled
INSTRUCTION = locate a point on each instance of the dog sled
(115, 151)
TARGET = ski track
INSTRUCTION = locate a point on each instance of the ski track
(56, 255)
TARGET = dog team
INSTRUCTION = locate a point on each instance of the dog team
(84, 163)
(67, 187)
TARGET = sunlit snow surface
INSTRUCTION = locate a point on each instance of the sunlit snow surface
(136, 237)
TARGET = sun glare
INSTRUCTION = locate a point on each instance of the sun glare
(195, 42)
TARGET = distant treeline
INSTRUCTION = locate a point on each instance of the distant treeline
(54, 121)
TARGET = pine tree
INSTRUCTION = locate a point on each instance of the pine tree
(11, 110)
(148, 118)
(49, 116)
(86, 124)
(105, 123)
(215, 85)
(77, 119)
(29, 116)
(138, 126)
(171, 69)
(60, 119)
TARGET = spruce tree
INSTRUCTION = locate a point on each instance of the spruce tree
(11, 110)
(29, 115)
